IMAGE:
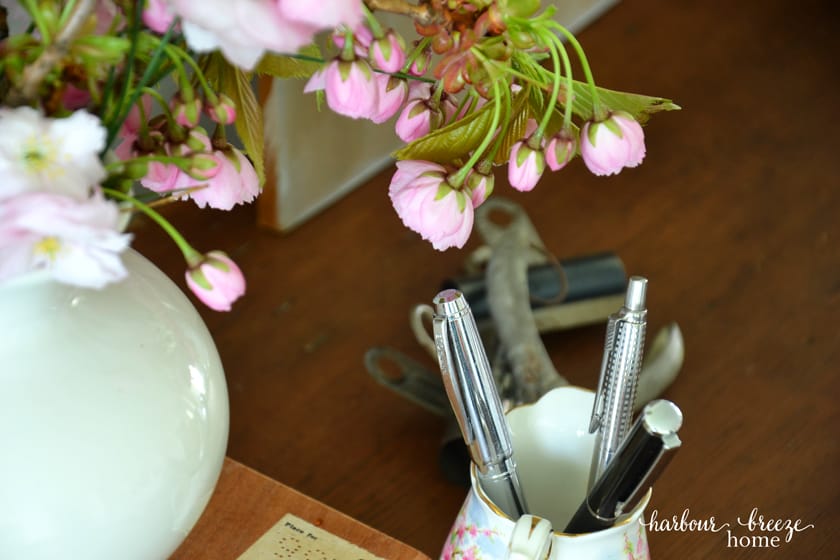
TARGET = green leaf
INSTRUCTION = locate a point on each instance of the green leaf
(457, 139)
(280, 66)
(236, 84)
(640, 106)
(452, 141)
(516, 127)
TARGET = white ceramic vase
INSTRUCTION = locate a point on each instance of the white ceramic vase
(113, 417)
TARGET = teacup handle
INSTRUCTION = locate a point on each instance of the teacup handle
(530, 539)
(422, 316)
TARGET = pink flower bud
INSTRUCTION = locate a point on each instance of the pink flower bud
(216, 280)
(610, 145)
(421, 64)
(388, 53)
(427, 204)
(392, 94)
(415, 121)
(525, 167)
(351, 89)
(560, 150)
(224, 112)
(362, 37)
(448, 107)
(157, 15)
(186, 113)
(480, 186)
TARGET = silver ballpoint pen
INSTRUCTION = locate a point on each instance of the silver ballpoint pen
(472, 393)
(612, 412)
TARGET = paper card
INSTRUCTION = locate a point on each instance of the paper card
(293, 538)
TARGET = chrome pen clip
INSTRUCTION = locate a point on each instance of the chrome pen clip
(452, 383)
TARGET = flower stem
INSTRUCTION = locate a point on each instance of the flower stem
(458, 179)
(418, 50)
(373, 23)
(191, 255)
(570, 84)
(66, 12)
(555, 89)
(123, 108)
(500, 137)
(598, 112)
(38, 18)
(52, 55)
(211, 96)
(348, 53)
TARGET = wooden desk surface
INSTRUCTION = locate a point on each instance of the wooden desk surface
(246, 504)
(733, 217)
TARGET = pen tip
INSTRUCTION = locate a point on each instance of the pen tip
(636, 293)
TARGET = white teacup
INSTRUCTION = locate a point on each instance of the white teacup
(553, 451)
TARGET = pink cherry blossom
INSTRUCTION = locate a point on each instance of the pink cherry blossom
(388, 53)
(233, 181)
(161, 177)
(351, 89)
(560, 150)
(525, 167)
(427, 204)
(610, 145)
(76, 241)
(216, 281)
(392, 93)
(51, 155)
(329, 13)
(316, 82)
(246, 29)
(236, 182)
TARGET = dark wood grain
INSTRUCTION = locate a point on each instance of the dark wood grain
(733, 217)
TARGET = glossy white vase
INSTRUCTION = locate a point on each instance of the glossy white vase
(113, 417)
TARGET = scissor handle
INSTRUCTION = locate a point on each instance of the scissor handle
(408, 378)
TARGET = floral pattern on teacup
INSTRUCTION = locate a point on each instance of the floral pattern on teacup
(638, 550)
(477, 534)
(474, 535)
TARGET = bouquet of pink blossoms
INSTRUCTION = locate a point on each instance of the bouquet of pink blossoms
(89, 132)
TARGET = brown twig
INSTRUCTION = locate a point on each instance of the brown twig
(35, 74)
(421, 13)
(510, 305)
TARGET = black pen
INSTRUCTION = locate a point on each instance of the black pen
(646, 451)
